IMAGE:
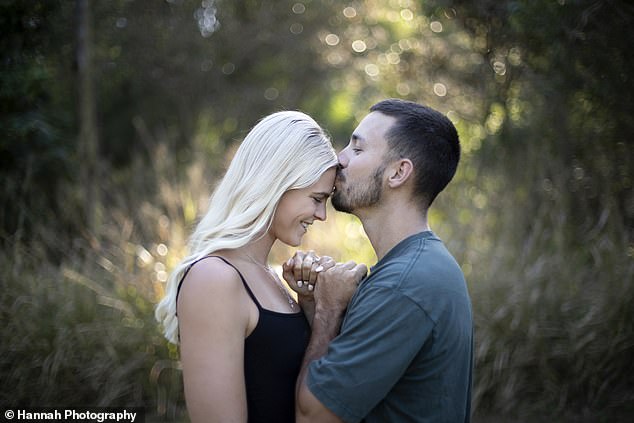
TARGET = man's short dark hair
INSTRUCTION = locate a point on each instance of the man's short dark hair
(427, 138)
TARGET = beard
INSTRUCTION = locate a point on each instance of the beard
(353, 197)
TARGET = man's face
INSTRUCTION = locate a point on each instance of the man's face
(359, 181)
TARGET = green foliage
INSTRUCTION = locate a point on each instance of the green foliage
(540, 214)
(33, 151)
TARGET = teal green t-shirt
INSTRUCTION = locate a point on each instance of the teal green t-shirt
(405, 351)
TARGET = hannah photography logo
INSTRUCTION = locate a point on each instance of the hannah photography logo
(99, 415)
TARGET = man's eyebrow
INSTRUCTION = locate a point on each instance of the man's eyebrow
(356, 138)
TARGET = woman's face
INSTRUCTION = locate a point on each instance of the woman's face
(299, 208)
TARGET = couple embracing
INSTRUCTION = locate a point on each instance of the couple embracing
(391, 345)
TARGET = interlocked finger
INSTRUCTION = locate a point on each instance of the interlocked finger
(325, 263)
(309, 264)
(298, 262)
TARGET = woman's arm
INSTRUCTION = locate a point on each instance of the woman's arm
(308, 307)
(213, 317)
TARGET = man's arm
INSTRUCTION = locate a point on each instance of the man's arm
(332, 294)
(326, 324)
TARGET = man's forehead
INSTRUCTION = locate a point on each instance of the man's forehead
(373, 127)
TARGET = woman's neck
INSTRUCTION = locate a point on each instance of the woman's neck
(256, 251)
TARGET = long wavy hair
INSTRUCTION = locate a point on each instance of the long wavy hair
(284, 151)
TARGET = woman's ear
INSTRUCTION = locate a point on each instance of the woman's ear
(401, 170)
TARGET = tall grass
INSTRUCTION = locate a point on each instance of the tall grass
(554, 322)
(77, 309)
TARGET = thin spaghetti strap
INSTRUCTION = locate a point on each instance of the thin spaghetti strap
(180, 283)
(244, 282)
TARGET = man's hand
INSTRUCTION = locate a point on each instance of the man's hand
(337, 284)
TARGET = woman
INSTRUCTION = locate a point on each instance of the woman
(242, 336)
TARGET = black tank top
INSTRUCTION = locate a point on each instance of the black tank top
(273, 354)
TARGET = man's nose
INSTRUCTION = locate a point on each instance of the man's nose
(343, 157)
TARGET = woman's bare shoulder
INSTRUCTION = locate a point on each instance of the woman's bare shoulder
(211, 279)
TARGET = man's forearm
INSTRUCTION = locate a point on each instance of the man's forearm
(333, 292)
(325, 327)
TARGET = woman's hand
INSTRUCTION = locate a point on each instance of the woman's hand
(300, 272)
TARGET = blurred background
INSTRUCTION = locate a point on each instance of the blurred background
(118, 117)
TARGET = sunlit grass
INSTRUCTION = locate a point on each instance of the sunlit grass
(554, 323)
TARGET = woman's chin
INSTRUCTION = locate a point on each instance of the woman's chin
(295, 242)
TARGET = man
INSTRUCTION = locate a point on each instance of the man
(404, 350)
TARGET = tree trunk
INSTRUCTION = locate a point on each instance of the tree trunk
(88, 143)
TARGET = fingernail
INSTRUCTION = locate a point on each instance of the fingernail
(319, 268)
(300, 283)
(310, 287)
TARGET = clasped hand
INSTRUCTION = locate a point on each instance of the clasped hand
(321, 279)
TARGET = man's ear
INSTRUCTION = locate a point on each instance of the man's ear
(400, 172)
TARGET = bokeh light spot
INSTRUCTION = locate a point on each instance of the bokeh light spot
(407, 15)
(515, 56)
(271, 93)
(296, 28)
(393, 58)
(299, 8)
(206, 16)
(332, 39)
(359, 46)
(349, 12)
(372, 70)
(121, 23)
(440, 89)
(162, 250)
(405, 44)
(435, 26)
(228, 68)
(450, 13)
(499, 67)
(403, 88)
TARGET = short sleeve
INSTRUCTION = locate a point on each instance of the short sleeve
(382, 333)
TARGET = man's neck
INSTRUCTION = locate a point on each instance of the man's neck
(388, 225)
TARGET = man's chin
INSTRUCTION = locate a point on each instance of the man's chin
(340, 205)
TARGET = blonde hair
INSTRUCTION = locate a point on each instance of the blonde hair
(284, 151)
